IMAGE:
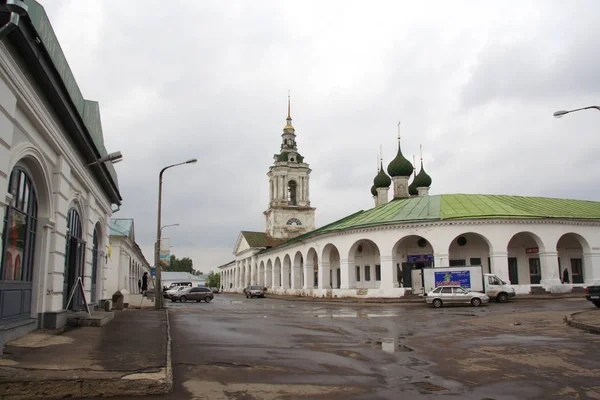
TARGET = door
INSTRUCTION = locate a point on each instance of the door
(73, 270)
(459, 295)
(405, 275)
(339, 277)
(535, 275)
(577, 270)
(513, 270)
(446, 295)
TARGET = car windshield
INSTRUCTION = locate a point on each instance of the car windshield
(254, 287)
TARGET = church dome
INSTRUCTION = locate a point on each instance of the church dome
(382, 179)
(412, 189)
(422, 179)
(374, 190)
(400, 166)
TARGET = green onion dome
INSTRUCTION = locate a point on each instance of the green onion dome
(422, 179)
(400, 166)
(412, 189)
(382, 179)
(374, 190)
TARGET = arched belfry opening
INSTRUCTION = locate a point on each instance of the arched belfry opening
(292, 193)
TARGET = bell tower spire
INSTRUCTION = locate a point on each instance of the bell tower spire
(289, 213)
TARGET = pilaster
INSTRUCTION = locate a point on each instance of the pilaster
(441, 260)
(389, 273)
(550, 273)
(499, 265)
(347, 274)
(591, 267)
(323, 274)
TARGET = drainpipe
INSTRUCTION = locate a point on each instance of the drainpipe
(16, 8)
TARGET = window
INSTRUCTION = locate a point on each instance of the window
(437, 290)
(291, 193)
(492, 280)
(195, 290)
(377, 272)
(459, 290)
(447, 290)
(475, 261)
(357, 273)
(20, 219)
(367, 272)
(457, 263)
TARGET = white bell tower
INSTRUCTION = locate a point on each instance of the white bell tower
(289, 213)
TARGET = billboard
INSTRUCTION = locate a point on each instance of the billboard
(453, 278)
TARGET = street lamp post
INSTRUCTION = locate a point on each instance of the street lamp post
(562, 113)
(158, 287)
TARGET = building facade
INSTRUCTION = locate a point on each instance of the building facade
(536, 244)
(125, 264)
(56, 199)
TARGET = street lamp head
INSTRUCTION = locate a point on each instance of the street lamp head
(193, 160)
(560, 114)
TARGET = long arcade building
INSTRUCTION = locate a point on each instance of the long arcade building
(537, 244)
(55, 197)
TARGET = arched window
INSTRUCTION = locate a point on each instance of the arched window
(18, 248)
(20, 220)
(95, 240)
(74, 259)
(292, 193)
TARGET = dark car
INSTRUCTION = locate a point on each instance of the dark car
(214, 290)
(193, 293)
(592, 293)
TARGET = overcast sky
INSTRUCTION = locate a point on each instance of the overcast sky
(475, 83)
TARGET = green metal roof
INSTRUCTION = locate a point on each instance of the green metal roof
(463, 206)
(259, 239)
(121, 227)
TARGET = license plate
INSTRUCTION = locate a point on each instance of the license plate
(595, 297)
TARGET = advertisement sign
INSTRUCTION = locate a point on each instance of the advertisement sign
(453, 278)
(419, 258)
(152, 271)
(532, 250)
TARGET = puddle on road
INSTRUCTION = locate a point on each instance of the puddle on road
(516, 339)
(358, 314)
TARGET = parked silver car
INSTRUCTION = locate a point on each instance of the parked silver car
(455, 295)
(254, 291)
(193, 293)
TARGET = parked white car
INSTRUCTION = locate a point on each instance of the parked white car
(443, 295)
(174, 290)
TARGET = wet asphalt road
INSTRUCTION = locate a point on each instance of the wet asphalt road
(238, 348)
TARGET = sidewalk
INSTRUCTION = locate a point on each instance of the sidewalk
(129, 356)
(588, 320)
(408, 299)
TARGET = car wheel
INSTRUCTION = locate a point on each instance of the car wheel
(502, 298)
(198, 301)
(174, 300)
(437, 303)
(597, 304)
(475, 301)
(207, 299)
(183, 299)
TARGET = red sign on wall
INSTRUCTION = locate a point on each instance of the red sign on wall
(532, 250)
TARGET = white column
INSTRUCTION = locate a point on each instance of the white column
(441, 260)
(549, 270)
(389, 273)
(347, 274)
(308, 275)
(591, 267)
(324, 276)
(499, 264)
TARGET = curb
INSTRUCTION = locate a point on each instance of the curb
(570, 320)
(169, 370)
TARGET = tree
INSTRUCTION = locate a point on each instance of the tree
(213, 280)
(184, 264)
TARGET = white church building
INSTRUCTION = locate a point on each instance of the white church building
(537, 244)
